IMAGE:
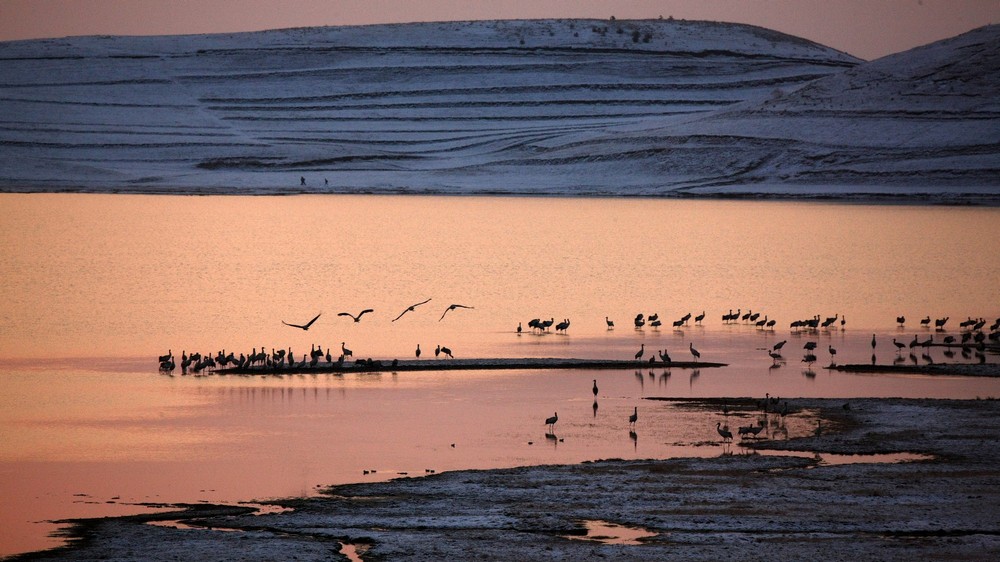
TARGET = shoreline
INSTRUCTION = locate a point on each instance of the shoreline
(986, 197)
(741, 504)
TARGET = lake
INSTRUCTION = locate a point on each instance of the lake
(96, 287)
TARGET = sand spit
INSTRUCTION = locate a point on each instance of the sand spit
(743, 505)
(948, 369)
(379, 366)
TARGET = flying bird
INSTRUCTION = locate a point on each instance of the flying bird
(358, 317)
(453, 307)
(410, 309)
(303, 326)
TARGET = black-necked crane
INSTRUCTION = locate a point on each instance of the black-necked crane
(699, 318)
(417, 352)
(940, 322)
(694, 351)
(775, 356)
(595, 389)
(519, 327)
(640, 321)
(610, 323)
(447, 352)
(635, 416)
(809, 346)
(779, 345)
(915, 342)
(166, 357)
(410, 309)
(551, 421)
(901, 320)
(357, 318)
(452, 307)
(724, 432)
(833, 353)
(343, 351)
(642, 349)
(437, 351)
(925, 321)
(873, 341)
(303, 326)
(899, 345)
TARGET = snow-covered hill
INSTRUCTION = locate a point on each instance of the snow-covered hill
(652, 107)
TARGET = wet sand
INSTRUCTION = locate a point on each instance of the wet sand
(745, 504)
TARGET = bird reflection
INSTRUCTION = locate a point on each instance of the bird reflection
(595, 408)
(635, 439)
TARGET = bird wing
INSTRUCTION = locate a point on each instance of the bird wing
(365, 311)
(345, 314)
(445, 312)
(293, 325)
(311, 321)
(402, 313)
(420, 303)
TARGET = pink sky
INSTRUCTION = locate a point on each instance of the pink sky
(864, 28)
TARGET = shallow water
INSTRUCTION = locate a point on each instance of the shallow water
(96, 286)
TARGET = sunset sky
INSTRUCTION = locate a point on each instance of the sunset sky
(864, 28)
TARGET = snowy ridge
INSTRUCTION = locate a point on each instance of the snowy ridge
(569, 107)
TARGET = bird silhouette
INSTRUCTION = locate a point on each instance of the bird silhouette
(551, 422)
(694, 351)
(873, 341)
(635, 416)
(595, 388)
(303, 326)
(724, 432)
(344, 351)
(611, 323)
(410, 309)
(417, 352)
(453, 307)
(901, 320)
(358, 317)
(779, 345)
(642, 349)
(447, 352)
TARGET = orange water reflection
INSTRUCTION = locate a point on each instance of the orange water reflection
(96, 286)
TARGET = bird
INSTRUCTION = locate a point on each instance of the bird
(699, 318)
(774, 356)
(551, 422)
(417, 352)
(634, 416)
(447, 352)
(303, 326)
(899, 345)
(611, 323)
(694, 351)
(779, 345)
(519, 327)
(595, 388)
(437, 350)
(410, 309)
(344, 351)
(901, 320)
(873, 341)
(925, 321)
(453, 307)
(642, 349)
(724, 432)
(809, 346)
(665, 357)
(833, 352)
(358, 317)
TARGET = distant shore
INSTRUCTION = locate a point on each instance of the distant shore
(750, 503)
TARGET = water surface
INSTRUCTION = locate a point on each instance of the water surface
(96, 286)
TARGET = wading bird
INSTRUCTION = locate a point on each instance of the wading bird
(453, 307)
(595, 388)
(551, 422)
(447, 352)
(417, 352)
(344, 351)
(611, 323)
(358, 317)
(410, 309)
(635, 416)
(303, 326)
(642, 349)
(724, 432)
(901, 320)
(694, 351)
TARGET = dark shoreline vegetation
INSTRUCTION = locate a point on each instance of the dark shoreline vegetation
(752, 502)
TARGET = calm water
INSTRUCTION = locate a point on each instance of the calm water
(96, 286)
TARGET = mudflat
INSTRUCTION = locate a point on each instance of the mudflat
(756, 501)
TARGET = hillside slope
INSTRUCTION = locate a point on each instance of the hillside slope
(537, 107)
